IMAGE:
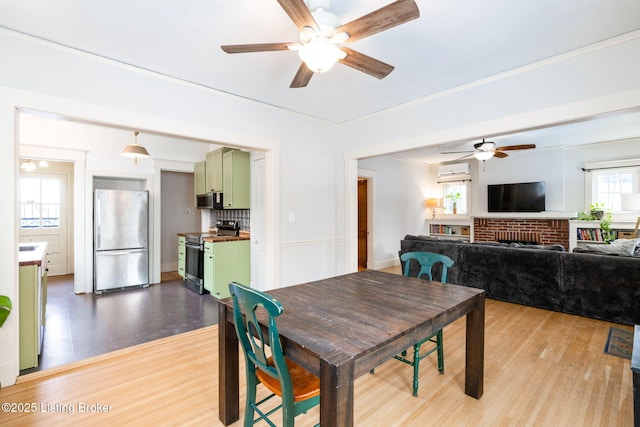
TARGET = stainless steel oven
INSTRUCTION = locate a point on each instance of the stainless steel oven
(194, 263)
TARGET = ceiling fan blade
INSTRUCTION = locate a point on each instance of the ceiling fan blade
(302, 77)
(366, 64)
(457, 152)
(500, 154)
(463, 157)
(516, 147)
(257, 47)
(299, 13)
(386, 17)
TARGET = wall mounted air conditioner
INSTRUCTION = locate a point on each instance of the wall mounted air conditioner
(454, 169)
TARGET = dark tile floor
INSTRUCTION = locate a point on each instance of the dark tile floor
(85, 325)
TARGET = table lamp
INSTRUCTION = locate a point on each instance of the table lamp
(631, 202)
(433, 203)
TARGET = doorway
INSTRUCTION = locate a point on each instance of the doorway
(46, 213)
(363, 223)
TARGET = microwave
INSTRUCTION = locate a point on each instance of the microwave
(209, 201)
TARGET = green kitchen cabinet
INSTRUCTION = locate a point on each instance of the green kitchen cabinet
(213, 170)
(33, 311)
(182, 253)
(226, 262)
(235, 179)
(199, 179)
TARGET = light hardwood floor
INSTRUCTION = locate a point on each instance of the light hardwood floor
(541, 369)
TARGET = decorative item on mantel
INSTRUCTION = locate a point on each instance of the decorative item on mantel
(433, 203)
(631, 202)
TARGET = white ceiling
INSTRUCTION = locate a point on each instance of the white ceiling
(452, 43)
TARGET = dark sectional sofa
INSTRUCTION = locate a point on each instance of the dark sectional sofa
(605, 287)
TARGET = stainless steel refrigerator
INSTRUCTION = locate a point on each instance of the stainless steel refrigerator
(121, 236)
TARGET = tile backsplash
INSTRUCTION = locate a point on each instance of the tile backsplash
(241, 215)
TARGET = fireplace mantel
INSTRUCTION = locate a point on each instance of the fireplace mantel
(525, 215)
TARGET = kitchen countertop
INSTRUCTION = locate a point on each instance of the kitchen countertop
(215, 239)
(211, 236)
(34, 256)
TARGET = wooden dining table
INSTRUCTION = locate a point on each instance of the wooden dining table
(342, 327)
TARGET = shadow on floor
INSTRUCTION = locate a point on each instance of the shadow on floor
(85, 325)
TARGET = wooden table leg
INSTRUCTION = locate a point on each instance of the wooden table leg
(228, 375)
(336, 390)
(474, 367)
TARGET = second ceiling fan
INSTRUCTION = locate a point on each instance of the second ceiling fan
(321, 37)
(487, 149)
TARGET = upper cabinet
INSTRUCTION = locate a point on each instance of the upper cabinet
(226, 171)
(214, 170)
(235, 177)
(199, 178)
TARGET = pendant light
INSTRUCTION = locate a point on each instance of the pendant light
(28, 166)
(135, 150)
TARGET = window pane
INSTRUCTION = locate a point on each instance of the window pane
(50, 191)
(30, 190)
(451, 189)
(40, 203)
(609, 185)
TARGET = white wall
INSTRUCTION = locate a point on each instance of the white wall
(399, 191)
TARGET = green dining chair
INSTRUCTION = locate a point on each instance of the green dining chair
(298, 389)
(426, 261)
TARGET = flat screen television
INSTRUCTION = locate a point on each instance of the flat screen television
(518, 197)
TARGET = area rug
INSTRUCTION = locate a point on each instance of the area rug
(619, 343)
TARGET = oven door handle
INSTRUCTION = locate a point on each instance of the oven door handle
(194, 246)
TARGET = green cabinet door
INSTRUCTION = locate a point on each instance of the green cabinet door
(226, 262)
(182, 253)
(214, 169)
(199, 179)
(236, 180)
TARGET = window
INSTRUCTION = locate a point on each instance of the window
(451, 189)
(608, 186)
(39, 203)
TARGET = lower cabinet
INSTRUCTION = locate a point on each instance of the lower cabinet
(181, 255)
(33, 304)
(226, 262)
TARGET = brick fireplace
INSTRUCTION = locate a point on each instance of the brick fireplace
(541, 231)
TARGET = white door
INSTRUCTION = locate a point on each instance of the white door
(44, 217)
(258, 267)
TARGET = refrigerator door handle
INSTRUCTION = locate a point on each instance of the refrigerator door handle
(97, 223)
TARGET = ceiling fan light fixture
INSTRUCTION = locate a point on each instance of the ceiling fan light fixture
(483, 155)
(320, 54)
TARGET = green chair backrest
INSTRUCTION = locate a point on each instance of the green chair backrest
(247, 303)
(426, 260)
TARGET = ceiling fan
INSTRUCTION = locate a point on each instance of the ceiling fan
(486, 149)
(321, 37)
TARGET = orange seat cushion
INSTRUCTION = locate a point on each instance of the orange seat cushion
(305, 384)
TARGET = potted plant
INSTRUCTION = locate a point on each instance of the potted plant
(597, 210)
(454, 201)
(597, 213)
(5, 309)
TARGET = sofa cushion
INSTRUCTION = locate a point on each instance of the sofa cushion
(622, 247)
